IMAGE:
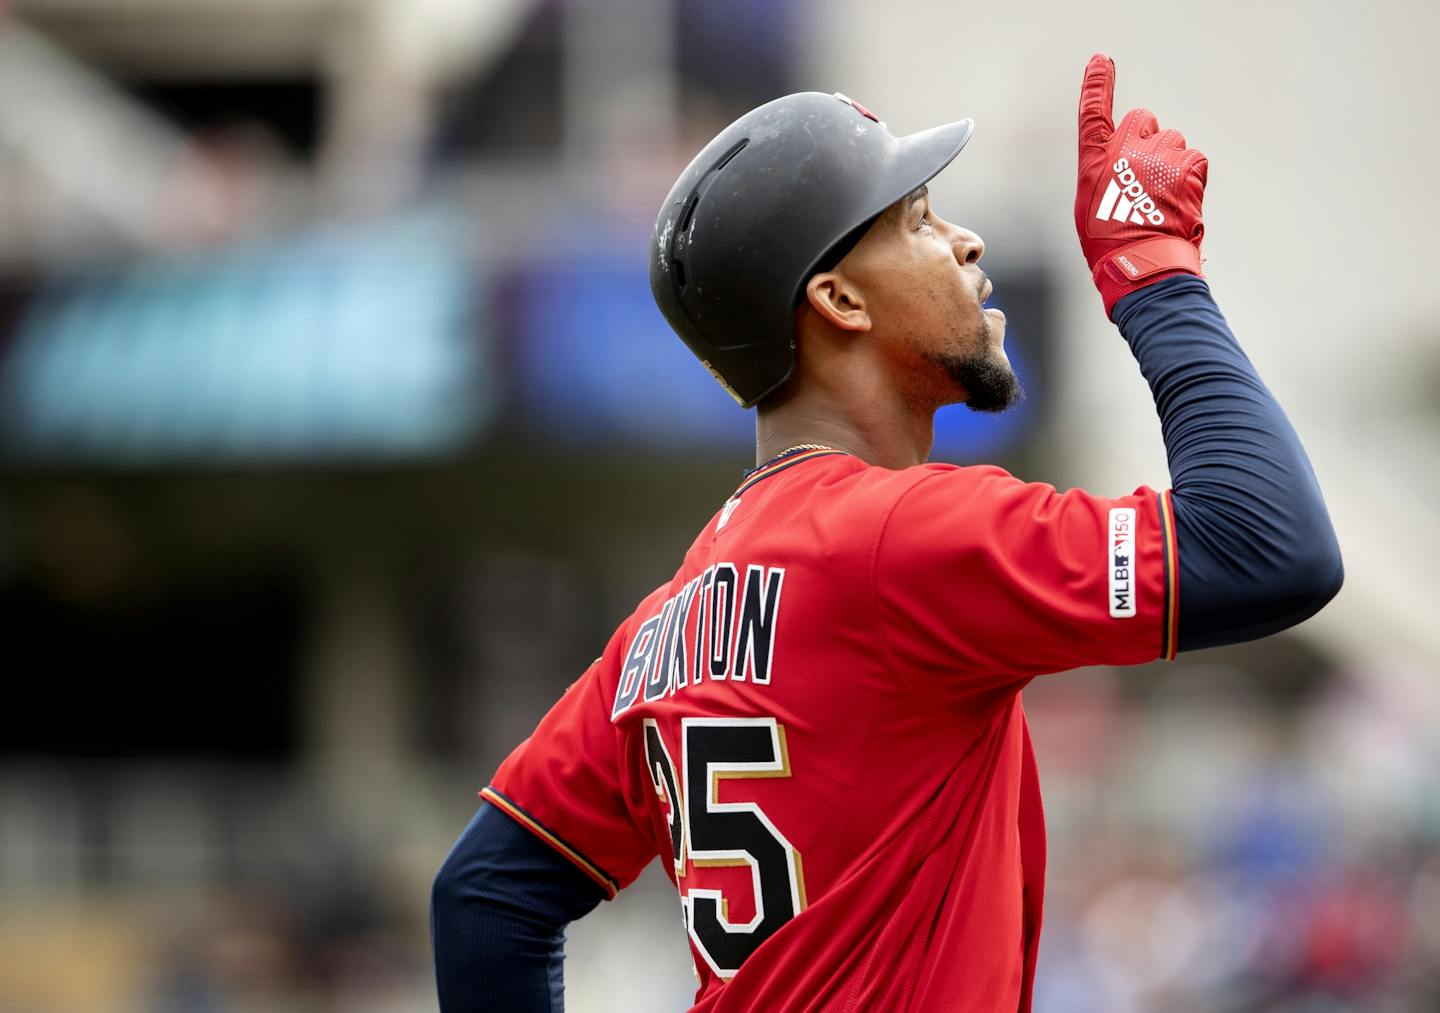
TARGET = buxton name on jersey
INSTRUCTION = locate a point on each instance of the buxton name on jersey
(725, 624)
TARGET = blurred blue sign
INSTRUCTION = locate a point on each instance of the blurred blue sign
(344, 344)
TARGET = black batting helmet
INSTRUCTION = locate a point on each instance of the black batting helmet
(779, 195)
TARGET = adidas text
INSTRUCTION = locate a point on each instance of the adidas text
(1126, 200)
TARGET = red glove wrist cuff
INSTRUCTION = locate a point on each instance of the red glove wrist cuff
(1140, 264)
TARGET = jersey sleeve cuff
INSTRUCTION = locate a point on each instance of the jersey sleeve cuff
(603, 879)
(1170, 629)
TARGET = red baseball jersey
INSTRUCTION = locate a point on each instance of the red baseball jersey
(817, 725)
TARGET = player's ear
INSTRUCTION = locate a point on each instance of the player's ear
(838, 300)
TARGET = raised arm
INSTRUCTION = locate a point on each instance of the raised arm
(1257, 552)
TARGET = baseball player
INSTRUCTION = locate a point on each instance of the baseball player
(817, 722)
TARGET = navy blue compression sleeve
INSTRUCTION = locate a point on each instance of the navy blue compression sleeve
(498, 912)
(1257, 550)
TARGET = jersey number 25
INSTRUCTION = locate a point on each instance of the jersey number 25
(715, 834)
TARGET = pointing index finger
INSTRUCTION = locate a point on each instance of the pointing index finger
(1097, 96)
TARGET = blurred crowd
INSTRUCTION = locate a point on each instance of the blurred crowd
(1217, 858)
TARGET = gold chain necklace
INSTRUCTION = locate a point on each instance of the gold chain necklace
(790, 450)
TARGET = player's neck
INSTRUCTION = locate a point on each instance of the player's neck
(880, 430)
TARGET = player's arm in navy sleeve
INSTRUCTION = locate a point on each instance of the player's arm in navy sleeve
(498, 912)
(1257, 551)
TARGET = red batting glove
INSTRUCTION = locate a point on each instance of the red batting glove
(1137, 205)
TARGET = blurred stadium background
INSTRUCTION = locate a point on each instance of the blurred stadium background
(337, 431)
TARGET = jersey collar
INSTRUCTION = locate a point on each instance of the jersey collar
(779, 463)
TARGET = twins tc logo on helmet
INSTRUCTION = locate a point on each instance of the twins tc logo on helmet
(1126, 200)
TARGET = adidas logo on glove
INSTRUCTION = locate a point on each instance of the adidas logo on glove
(1126, 200)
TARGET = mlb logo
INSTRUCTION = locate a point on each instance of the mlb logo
(1121, 557)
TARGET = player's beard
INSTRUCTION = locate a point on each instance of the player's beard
(985, 376)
